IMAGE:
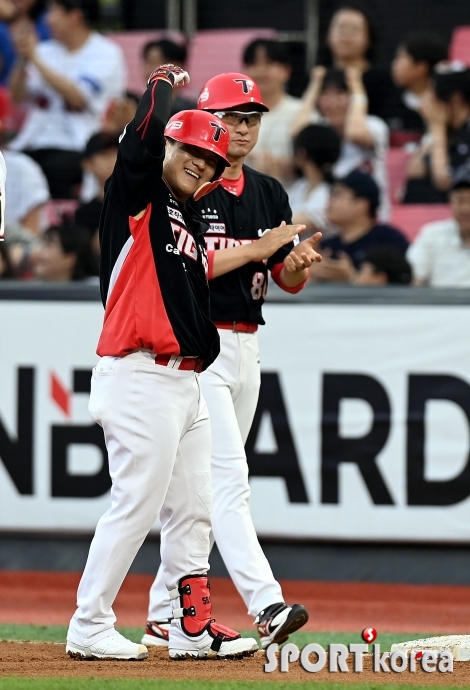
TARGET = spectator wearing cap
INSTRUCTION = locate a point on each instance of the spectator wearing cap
(16, 15)
(440, 254)
(69, 82)
(337, 98)
(156, 53)
(412, 67)
(64, 254)
(266, 61)
(445, 152)
(383, 265)
(316, 150)
(26, 189)
(352, 208)
(99, 159)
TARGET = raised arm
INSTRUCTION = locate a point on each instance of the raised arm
(142, 148)
(309, 100)
(356, 129)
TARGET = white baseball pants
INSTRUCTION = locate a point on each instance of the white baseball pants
(231, 389)
(158, 438)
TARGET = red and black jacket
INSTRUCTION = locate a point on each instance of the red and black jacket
(153, 271)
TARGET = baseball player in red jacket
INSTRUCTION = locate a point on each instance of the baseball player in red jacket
(242, 247)
(157, 336)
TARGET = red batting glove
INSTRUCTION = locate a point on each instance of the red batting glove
(171, 73)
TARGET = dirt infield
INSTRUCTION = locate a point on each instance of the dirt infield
(49, 598)
(49, 660)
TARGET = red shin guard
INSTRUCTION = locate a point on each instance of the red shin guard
(195, 610)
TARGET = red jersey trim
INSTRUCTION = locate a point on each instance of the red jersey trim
(210, 263)
(276, 276)
(234, 187)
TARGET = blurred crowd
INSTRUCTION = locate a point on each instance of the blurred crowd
(64, 103)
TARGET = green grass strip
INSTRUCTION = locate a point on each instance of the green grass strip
(113, 684)
(57, 633)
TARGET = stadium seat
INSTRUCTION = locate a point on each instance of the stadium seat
(216, 51)
(409, 218)
(460, 44)
(132, 43)
(396, 166)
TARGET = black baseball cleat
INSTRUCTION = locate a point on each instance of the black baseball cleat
(276, 622)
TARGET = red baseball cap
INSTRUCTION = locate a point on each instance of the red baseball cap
(230, 90)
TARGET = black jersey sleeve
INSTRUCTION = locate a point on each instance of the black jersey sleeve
(141, 151)
(283, 212)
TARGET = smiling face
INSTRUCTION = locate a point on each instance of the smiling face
(187, 167)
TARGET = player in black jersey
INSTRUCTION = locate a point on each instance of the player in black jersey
(145, 391)
(242, 247)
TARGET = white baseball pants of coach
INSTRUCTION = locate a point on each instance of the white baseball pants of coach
(157, 433)
(231, 388)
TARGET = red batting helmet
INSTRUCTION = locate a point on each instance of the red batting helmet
(205, 130)
(200, 129)
(230, 90)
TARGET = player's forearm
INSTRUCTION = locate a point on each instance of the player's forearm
(226, 260)
(66, 88)
(152, 114)
(292, 279)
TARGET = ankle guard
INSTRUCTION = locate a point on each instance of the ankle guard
(193, 595)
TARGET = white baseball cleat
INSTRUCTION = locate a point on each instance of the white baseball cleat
(210, 644)
(114, 646)
(194, 634)
(276, 622)
(156, 633)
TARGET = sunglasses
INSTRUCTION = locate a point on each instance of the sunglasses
(233, 117)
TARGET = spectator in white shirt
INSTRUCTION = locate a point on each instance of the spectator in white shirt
(26, 191)
(440, 255)
(69, 82)
(316, 150)
(267, 63)
(338, 98)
